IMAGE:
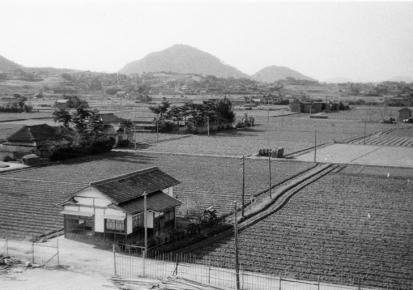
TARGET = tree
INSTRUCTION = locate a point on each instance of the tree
(160, 109)
(62, 116)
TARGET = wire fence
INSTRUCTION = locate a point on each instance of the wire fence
(42, 254)
(130, 263)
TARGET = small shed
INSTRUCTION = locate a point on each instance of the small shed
(405, 113)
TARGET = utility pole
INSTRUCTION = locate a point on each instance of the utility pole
(365, 129)
(145, 221)
(157, 129)
(134, 134)
(208, 124)
(236, 245)
(315, 144)
(269, 169)
(243, 184)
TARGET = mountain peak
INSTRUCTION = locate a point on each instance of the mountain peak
(274, 73)
(182, 58)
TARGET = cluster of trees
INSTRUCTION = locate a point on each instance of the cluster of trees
(86, 129)
(17, 105)
(218, 112)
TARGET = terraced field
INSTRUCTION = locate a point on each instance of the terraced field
(205, 181)
(342, 229)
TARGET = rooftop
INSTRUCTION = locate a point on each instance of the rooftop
(37, 133)
(157, 201)
(129, 186)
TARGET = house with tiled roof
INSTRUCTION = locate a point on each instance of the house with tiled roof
(38, 139)
(113, 209)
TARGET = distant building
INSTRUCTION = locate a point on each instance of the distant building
(61, 104)
(306, 106)
(111, 126)
(405, 113)
(41, 140)
(113, 209)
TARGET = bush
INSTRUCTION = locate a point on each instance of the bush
(101, 146)
(73, 152)
(124, 143)
(166, 126)
(8, 158)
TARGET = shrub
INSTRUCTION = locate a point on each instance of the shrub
(8, 158)
(165, 126)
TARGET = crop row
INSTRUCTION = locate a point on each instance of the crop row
(341, 228)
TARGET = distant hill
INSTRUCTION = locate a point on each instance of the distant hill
(407, 79)
(274, 73)
(183, 59)
(7, 65)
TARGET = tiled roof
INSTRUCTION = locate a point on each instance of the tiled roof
(157, 201)
(130, 186)
(108, 118)
(36, 133)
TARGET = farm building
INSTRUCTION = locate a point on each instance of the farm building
(62, 104)
(114, 208)
(306, 107)
(405, 113)
(38, 139)
(111, 127)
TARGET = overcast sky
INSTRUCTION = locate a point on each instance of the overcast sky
(357, 41)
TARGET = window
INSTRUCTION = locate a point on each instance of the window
(137, 221)
(115, 225)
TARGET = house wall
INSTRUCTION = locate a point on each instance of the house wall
(129, 228)
(169, 191)
(91, 200)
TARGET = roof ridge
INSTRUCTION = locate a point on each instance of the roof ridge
(103, 181)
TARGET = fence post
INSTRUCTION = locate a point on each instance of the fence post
(318, 283)
(209, 274)
(57, 251)
(359, 284)
(32, 252)
(176, 266)
(279, 286)
(114, 259)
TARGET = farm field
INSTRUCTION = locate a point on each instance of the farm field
(24, 192)
(342, 229)
(19, 116)
(362, 154)
(396, 137)
(294, 133)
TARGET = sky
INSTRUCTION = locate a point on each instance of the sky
(357, 41)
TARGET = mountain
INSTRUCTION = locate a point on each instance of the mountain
(7, 65)
(274, 73)
(182, 59)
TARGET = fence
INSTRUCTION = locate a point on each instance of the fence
(130, 264)
(43, 254)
